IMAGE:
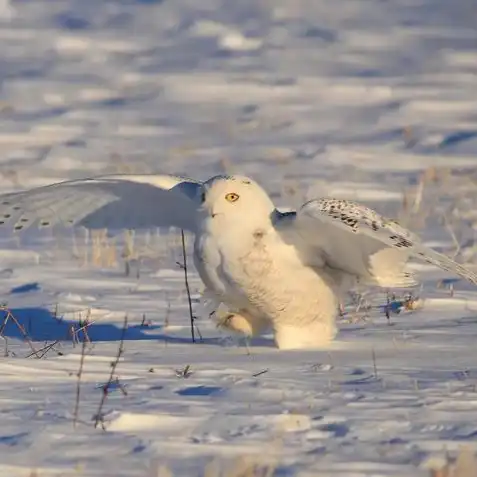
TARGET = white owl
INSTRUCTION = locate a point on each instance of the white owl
(272, 270)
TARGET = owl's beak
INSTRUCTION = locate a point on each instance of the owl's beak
(214, 214)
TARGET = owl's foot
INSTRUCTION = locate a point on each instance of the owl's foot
(236, 323)
(242, 322)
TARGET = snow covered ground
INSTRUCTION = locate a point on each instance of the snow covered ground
(362, 99)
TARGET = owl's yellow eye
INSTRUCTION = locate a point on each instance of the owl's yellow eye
(232, 197)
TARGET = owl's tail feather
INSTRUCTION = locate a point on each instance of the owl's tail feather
(400, 279)
(387, 269)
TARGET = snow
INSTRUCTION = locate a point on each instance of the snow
(359, 99)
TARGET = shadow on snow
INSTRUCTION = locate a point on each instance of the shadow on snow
(40, 325)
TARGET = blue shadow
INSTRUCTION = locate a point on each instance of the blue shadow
(458, 137)
(199, 390)
(41, 325)
(28, 287)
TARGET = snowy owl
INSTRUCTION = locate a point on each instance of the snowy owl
(272, 270)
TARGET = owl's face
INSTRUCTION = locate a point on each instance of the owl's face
(235, 198)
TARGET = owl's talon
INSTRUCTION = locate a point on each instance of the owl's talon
(225, 321)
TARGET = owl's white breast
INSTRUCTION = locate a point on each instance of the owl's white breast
(260, 273)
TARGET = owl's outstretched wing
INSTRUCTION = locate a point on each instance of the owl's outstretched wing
(114, 202)
(357, 240)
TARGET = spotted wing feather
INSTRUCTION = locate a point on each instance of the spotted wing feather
(116, 202)
(364, 222)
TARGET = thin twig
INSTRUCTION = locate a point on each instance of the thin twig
(256, 375)
(374, 365)
(198, 330)
(186, 279)
(387, 308)
(120, 386)
(418, 197)
(184, 372)
(6, 353)
(83, 325)
(99, 417)
(5, 321)
(20, 327)
(82, 328)
(78, 383)
(72, 335)
(453, 236)
(43, 351)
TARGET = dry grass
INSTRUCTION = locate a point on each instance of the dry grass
(243, 466)
(97, 248)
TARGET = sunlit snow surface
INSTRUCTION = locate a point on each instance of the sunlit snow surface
(348, 98)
